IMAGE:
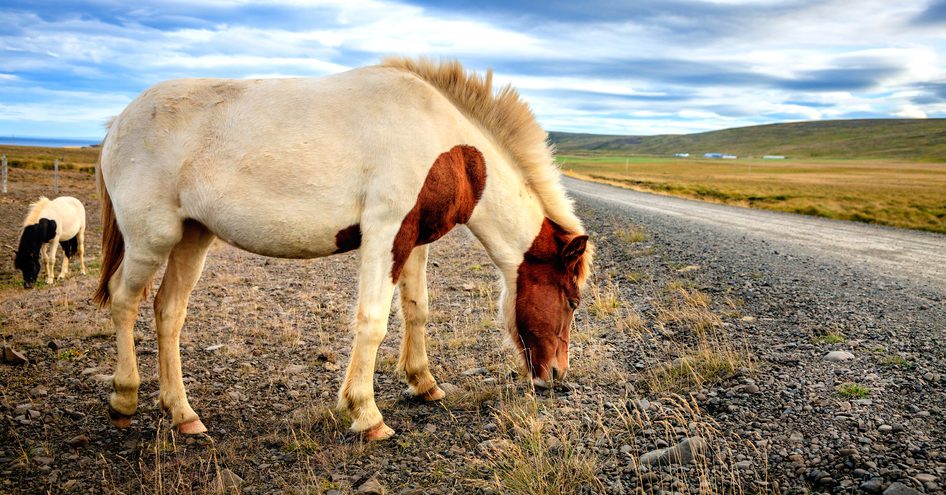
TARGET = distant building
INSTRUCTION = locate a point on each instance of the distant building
(712, 155)
(729, 157)
(681, 155)
(773, 157)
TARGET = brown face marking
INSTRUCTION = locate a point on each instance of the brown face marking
(348, 239)
(547, 294)
(453, 187)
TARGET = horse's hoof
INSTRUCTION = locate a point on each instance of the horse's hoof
(194, 427)
(380, 432)
(434, 394)
(118, 419)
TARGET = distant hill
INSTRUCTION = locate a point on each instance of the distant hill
(910, 139)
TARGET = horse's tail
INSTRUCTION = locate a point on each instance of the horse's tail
(113, 244)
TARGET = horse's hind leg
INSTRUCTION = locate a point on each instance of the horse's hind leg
(65, 264)
(170, 308)
(413, 361)
(126, 288)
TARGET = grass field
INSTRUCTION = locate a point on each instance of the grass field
(36, 158)
(914, 140)
(887, 192)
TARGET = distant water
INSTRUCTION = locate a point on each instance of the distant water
(48, 142)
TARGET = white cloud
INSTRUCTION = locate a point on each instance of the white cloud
(911, 112)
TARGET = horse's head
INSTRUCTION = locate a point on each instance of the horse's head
(27, 254)
(548, 290)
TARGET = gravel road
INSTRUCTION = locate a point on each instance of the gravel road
(881, 290)
(918, 257)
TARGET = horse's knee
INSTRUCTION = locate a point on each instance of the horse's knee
(371, 328)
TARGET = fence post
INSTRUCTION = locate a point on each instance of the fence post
(4, 160)
(56, 177)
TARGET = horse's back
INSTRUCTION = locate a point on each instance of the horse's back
(281, 166)
(69, 214)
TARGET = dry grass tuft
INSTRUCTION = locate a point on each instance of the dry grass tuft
(686, 308)
(605, 301)
(712, 470)
(531, 457)
(707, 364)
(631, 234)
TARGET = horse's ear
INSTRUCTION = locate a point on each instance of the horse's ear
(47, 229)
(574, 249)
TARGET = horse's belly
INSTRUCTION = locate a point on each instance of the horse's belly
(283, 226)
(281, 237)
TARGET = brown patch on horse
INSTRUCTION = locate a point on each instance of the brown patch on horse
(453, 186)
(348, 239)
(547, 293)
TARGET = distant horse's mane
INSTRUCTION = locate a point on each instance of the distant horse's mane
(512, 124)
(35, 209)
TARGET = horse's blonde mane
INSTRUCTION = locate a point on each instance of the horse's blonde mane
(35, 209)
(512, 124)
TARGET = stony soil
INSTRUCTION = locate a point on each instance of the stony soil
(266, 342)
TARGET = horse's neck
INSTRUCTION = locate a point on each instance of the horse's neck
(506, 219)
(41, 210)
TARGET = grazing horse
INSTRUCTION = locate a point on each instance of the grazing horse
(48, 225)
(382, 159)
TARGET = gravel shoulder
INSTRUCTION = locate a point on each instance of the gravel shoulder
(881, 290)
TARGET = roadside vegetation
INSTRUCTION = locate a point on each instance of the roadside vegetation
(887, 192)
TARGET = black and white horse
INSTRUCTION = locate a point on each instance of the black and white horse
(48, 225)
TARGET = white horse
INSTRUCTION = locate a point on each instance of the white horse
(384, 159)
(48, 225)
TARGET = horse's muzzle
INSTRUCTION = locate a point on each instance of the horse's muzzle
(557, 376)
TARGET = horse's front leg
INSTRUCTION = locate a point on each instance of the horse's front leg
(413, 361)
(51, 259)
(375, 289)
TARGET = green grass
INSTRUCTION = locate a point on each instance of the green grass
(69, 355)
(894, 362)
(829, 338)
(852, 390)
(909, 139)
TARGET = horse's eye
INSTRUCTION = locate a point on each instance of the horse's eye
(573, 303)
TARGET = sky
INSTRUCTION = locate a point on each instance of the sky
(643, 67)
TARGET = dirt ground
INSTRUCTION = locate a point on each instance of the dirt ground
(654, 361)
